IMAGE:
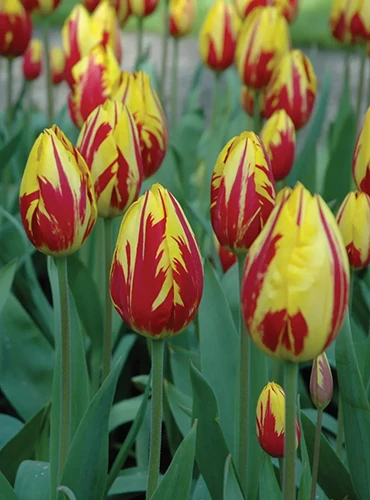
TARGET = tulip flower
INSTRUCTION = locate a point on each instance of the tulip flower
(106, 22)
(57, 202)
(278, 137)
(156, 275)
(109, 143)
(242, 192)
(182, 17)
(295, 282)
(248, 97)
(143, 8)
(32, 60)
(350, 20)
(122, 8)
(57, 65)
(354, 224)
(96, 77)
(270, 420)
(137, 93)
(289, 8)
(16, 28)
(227, 259)
(90, 4)
(263, 39)
(321, 382)
(361, 157)
(41, 7)
(218, 34)
(292, 87)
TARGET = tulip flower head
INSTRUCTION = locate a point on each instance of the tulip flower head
(57, 202)
(182, 17)
(16, 28)
(270, 420)
(263, 39)
(354, 224)
(41, 7)
(278, 136)
(248, 97)
(156, 275)
(109, 143)
(288, 8)
(242, 192)
(143, 8)
(123, 11)
(218, 34)
(361, 157)
(32, 60)
(295, 283)
(57, 65)
(227, 259)
(107, 26)
(321, 382)
(350, 20)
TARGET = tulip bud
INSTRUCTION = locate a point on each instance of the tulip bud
(32, 60)
(41, 7)
(354, 224)
(295, 283)
(227, 259)
(288, 8)
(350, 20)
(143, 8)
(292, 87)
(242, 192)
(57, 202)
(109, 143)
(96, 77)
(278, 137)
(137, 93)
(123, 11)
(106, 22)
(321, 382)
(270, 420)
(156, 275)
(90, 4)
(263, 39)
(339, 25)
(361, 157)
(182, 17)
(248, 97)
(218, 34)
(57, 65)
(16, 28)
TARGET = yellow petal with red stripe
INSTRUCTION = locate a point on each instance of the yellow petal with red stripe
(143, 8)
(15, 28)
(288, 8)
(32, 60)
(182, 17)
(361, 157)
(321, 382)
(57, 64)
(106, 22)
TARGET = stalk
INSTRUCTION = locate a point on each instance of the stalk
(291, 374)
(140, 33)
(316, 454)
(216, 96)
(162, 82)
(175, 65)
(107, 339)
(256, 113)
(49, 84)
(9, 92)
(360, 93)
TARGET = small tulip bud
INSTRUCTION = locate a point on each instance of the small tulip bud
(321, 382)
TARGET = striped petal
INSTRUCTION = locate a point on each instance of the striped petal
(16, 28)
(32, 60)
(143, 8)
(182, 17)
(361, 157)
(288, 8)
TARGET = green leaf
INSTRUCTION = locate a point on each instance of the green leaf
(232, 488)
(6, 280)
(179, 360)
(201, 491)
(8, 149)
(356, 411)
(177, 400)
(6, 491)
(88, 455)
(176, 482)
(130, 481)
(9, 427)
(268, 486)
(33, 481)
(67, 492)
(123, 348)
(124, 412)
(306, 477)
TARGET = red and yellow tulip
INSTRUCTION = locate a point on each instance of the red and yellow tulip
(295, 283)
(248, 97)
(16, 28)
(109, 143)
(57, 202)
(105, 19)
(289, 8)
(41, 7)
(361, 157)
(32, 60)
(143, 8)
(227, 259)
(242, 192)
(156, 275)
(182, 17)
(57, 65)
(350, 20)
(123, 11)
(321, 382)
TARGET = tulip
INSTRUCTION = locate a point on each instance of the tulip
(350, 20)
(91, 4)
(227, 259)
(16, 28)
(32, 60)
(295, 282)
(41, 7)
(292, 87)
(354, 224)
(57, 65)
(182, 17)
(218, 34)
(262, 41)
(156, 275)
(57, 202)
(143, 8)
(321, 382)
(248, 97)
(242, 192)
(137, 93)
(107, 26)
(339, 25)
(289, 8)
(278, 137)
(361, 157)
(109, 143)
(122, 8)
(270, 420)
(96, 77)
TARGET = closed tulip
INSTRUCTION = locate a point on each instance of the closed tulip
(123, 10)
(270, 420)
(350, 20)
(321, 382)
(242, 192)
(361, 157)
(57, 202)
(41, 7)
(295, 282)
(218, 34)
(32, 60)
(182, 17)
(227, 259)
(143, 8)
(292, 87)
(288, 8)
(16, 28)
(156, 275)
(248, 98)
(96, 77)
(354, 224)
(109, 143)
(139, 96)
(106, 22)
(262, 41)
(57, 65)
(278, 137)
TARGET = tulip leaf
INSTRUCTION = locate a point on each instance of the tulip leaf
(130, 481)
(9, 427)
(177, 401)
(179, 360)
(8, 149)
(356, 411)
(33, 481)
(210, 439)
(232, 489)
(123, 412)
(306, 478)
(6, 280)
(268, 484)
(6, 491)
(201, 491)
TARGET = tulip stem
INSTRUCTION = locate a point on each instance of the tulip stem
(291, 375)
(316, 453)
(156, 419)
(65, 364)
(107, 340)
(49, 83)
(243, 393)
(175, 65)
(162, 83)
(340, 432)
(256, 113)
(140, 33)
(216, 92)
(9, 92)
(360, 95)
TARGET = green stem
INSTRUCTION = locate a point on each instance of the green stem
(316, 454)
(243, 394)
(281, 472)
(9, 92)
(107, 339)
(65, 364)
(49, 83)
(291, 375)
(351, 288)
(162, 82)
(140, 33)
(340, 432)
(360, 94)
(216, 96)
(256, 113)
(156, 420)
(175, 65)
(347, 65)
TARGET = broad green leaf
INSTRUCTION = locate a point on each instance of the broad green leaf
(329, 423)
(176, 482)
(6, 279)
(230, 286)
(142, 440)
(268, 485)
(6, 491)
(123, 348)
(130, 481)
(9, 427)
(124, 411)
(33, 481)
(8, 149)
(178, 400)
(232, 488)
(356, 411)
(179, 359)
(201, 491)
